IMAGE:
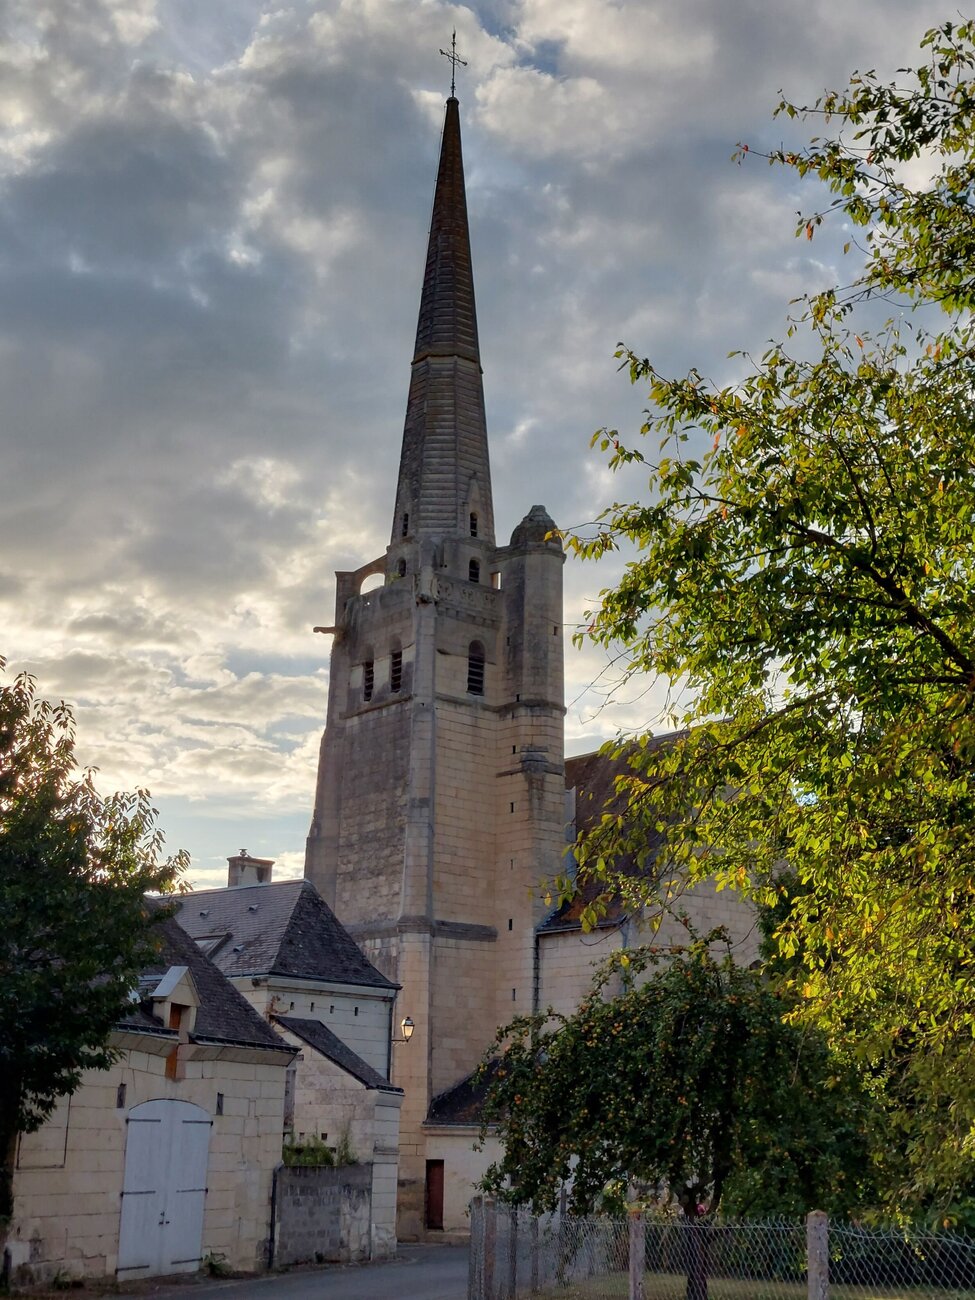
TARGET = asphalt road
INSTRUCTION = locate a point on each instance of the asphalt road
(418, 1273)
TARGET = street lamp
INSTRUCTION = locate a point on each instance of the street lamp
(407, 1026)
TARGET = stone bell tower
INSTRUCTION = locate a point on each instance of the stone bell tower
(440, 797)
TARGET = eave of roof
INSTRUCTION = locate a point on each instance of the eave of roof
(322, 1040)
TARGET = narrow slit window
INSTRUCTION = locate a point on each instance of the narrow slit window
(368, 679)
(474, 571)
(475, 669)
(396, 671)
(473, 524)
(406, 525)
(401, 568)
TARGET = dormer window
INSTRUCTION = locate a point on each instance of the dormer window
(474, 571)
(473, 523)
(475, 669)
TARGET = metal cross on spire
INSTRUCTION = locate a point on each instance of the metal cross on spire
(454, 58)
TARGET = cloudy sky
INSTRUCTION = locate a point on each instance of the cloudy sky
(212, 226)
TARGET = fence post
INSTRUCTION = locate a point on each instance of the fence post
(638, 1251)
(475, 1290)
(512, 1252)
(488, 1291)
(817, 1255)
(534, 1279)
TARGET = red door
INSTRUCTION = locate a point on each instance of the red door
(434, 1214)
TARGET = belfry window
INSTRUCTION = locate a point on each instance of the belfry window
(396, 671)
(401, 568)
(473, 524)
(368, 679)
(474, 571)
(406, 525)
(475, 669)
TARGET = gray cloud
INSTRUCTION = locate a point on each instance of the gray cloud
(212, 223)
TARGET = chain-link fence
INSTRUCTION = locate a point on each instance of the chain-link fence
(657, 1257)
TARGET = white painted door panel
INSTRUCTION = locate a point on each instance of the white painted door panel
(164, 1189)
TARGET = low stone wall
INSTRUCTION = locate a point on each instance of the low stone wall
(322, 1214)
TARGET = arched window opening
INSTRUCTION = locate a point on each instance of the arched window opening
(473, 523)
(406, 525)
(368, 679)
(474, 571)
(396, 671)
(475, 669)
(401, 568)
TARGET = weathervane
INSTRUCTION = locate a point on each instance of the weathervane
(454, 58)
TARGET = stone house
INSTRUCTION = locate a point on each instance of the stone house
(168, 1156)
(283, 949)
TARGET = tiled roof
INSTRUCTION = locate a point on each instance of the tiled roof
(321, 1038)
(282, 928)
(223, 1015)
(593, 776)
(462, 1103)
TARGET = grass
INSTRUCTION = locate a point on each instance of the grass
(672, 1286)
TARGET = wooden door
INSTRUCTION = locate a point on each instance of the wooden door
(164, 1188)
(434, 1197)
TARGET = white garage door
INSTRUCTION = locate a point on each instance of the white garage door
(164, 1190)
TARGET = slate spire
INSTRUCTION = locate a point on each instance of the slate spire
(444, 474)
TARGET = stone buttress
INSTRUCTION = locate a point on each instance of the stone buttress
(440, 797)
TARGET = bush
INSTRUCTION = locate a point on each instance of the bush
(311, 1152)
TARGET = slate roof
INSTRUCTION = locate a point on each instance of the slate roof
(281, 928)
(223, 1016)
(321, 1038)
(445, 442)
(462, 1103)
(593, 776)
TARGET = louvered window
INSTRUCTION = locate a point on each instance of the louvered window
(474, 571)
(473, 524)
(475, 669)
(396, 671)
(368, 679)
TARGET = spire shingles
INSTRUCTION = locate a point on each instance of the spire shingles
(444, 470)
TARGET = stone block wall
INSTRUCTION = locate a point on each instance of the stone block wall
(331, 1104)
(569, 959)
(322, 1215)
(69, 1175)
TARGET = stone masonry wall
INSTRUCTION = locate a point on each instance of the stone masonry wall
(69, 1174)
(569, 959)
(331, 1104)
(322, 1215)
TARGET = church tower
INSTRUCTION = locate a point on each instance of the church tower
(440, 798)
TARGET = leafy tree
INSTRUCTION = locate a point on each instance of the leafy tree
(690, 1082)
(804, 571)
(74, 872)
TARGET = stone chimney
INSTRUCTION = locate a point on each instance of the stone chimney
(245, 870)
